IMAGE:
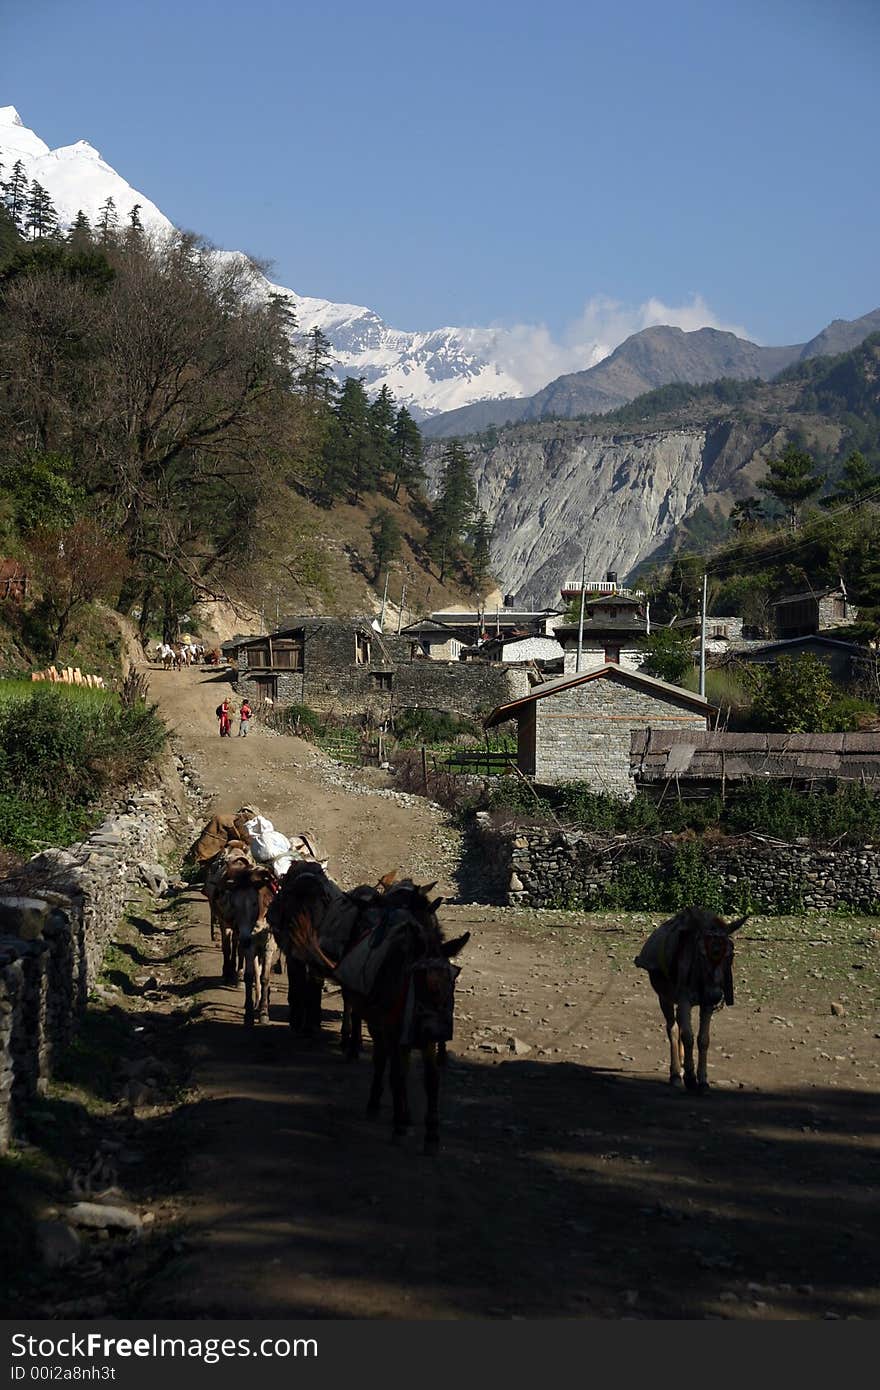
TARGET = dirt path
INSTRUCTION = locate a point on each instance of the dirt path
(572, 1181)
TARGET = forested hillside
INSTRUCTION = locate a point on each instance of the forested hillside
(167, 437)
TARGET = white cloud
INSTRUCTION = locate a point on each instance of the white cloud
(532, 355)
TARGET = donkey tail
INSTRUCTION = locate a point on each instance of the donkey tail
(305, 941)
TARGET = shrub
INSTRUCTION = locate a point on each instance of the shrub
(61, 749)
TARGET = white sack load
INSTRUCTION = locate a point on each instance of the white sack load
(281, 865)
(267, 843)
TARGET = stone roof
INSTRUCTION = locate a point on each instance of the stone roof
(657, 755)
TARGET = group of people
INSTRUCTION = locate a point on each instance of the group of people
(226, 713)
(183, 654)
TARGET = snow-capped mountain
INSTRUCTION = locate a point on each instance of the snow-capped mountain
(75, 176)
(428, 372)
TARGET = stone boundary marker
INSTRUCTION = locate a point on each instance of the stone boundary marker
(57, 917)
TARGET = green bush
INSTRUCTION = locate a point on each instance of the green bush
(413, 727)
(61, 749)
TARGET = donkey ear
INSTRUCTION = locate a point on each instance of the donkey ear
(432, 907)
(425, 887)
(452, 948)
(735, 926)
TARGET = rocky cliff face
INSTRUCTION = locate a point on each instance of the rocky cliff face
(558, 493)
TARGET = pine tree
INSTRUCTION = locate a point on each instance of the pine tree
(41, 219)
(482, 551)
(857, 480)
(746, 514)
(350, 464)
(134, 232)
(15, 195)
(80, 234)
(792, 481)
(453, 511)
(107, 225)
(408, 470)
(385, 533)
(316, 377)
(382, 419)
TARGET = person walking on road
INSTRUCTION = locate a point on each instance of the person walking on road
(244, 716)
(223, 713)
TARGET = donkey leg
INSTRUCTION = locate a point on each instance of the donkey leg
(229, 946)
(399, 1070)
(686, 1034)
(430, 1061)
(249, 983)
(380, 1055)
(267, 960)
(296, 994)
(674, 1048)
(703, 1049)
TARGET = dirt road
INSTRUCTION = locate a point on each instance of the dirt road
(572, 1181)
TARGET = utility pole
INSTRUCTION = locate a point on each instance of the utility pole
(400, 609)
(384, 601)
(581, 619)
(703, 642)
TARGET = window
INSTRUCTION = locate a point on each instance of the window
(361, 649)
(288, 655)
(383, 679)
(612, 653)
(719, 630)
(257, 656)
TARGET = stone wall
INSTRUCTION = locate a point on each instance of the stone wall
(56, 921)
(583, 733)
(330, 685)
(540, 867)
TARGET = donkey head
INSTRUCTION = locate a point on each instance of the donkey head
(713, 958)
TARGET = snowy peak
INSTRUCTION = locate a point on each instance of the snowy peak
(75, 176)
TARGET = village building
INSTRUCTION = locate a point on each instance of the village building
(348, 667)
(845, 660)
(577, 728)
(545, 653)
(614, 632)
(723, 634)
(473, 626)
(693, 762)
(433, 639)
(799, 615)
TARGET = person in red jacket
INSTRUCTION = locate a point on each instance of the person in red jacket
(244, 716)
(223, 714)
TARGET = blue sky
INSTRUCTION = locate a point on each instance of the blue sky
(484, 162)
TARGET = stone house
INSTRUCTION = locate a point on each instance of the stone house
(799, 615)
(473, 626)
(845, 660)
(347, 667)
(433, 639)
(615, 628)
(723, 634)
(579, 727)
(543, 651)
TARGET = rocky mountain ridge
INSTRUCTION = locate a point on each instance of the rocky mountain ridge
(559, 491)
(654, 357)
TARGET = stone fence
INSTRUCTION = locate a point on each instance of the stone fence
(541, 867)
(56, 919)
